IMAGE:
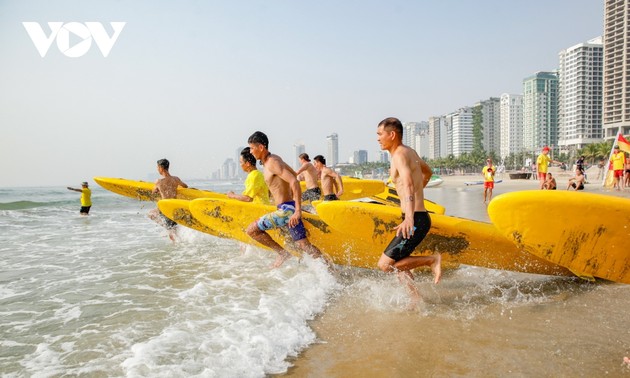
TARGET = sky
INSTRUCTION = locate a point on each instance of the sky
(191, 80)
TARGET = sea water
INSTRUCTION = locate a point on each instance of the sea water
(110, 295)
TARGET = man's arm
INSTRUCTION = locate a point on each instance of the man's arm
(339, 182)
(406, 193)
(76, 190)
(426, 172)
(240, 197)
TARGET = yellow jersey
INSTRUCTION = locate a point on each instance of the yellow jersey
(618, 160)
(488, 173)
(86, 197)
(542, 162)
(256, 187)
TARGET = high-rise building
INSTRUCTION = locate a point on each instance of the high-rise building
(616, 86)
(511, 124)
(228, 169)
(383, 156)
(298, 149)
(462, 131)
(540, 111)
(491, 124)
(360, 157)
(437, 138)
(333, 150)
(580, 75)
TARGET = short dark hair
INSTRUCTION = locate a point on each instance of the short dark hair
(248, 157)
(163, 163)
(320, 159)
(392, 123)
(304, 156)
(259, 138)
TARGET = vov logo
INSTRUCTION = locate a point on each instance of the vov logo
(85, 33)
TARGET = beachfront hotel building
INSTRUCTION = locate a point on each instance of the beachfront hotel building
(461, 131)
(360, 157)
(333, 150)
(540, 111)
(491, 124)
(580, 77)
(616, 85)
(415, 135)
(437, 138)
(511, 134)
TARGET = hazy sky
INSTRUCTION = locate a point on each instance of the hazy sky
(191, 80)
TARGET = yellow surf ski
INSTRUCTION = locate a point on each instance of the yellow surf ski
(458, 240)
(354, 188)
(584, 232)
(143, 191)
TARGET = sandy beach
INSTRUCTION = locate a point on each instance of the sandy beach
(563, 327)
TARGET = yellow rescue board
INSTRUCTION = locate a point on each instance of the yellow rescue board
(356, 188)
(458, 240)
(584, 232)
(230, 218)
(179, 211)
(143, 191)
(389, 196)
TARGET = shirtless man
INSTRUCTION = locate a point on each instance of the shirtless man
(285, 190)
(410, 174)
(308, 174)
(166, 187)
(550, 182)
(577, 182)
(331, 181)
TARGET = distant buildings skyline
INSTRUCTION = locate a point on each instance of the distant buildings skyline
(585, 100)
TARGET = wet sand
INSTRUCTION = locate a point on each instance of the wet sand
(476, 322)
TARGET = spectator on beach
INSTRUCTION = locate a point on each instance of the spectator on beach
(86, 198)
(332, 185)
(600, 170)
(166, 187)
(309, 175)
(488, 180)
(618, 160)
(410, 174)
(577, 182)
(550, 182)
(287, 194)
(542, 164)
(255, 187)
(627, 173)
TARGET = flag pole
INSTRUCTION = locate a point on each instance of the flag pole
(612, 149)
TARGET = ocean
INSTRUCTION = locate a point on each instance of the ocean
(109, 295)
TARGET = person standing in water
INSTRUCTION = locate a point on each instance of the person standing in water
(285, 190)
(166, 188)
(410, 174)
(86, 198)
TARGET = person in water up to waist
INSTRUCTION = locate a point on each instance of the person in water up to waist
(410, 174)
(287, 194)
(332, 184)
(86, 198)
(255, 187)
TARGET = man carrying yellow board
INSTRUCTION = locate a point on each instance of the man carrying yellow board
(410, 174)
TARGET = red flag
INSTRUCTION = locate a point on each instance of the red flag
(623, 144)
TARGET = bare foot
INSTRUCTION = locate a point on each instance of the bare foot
(436, 267)
(282, 257)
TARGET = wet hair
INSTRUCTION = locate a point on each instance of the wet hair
(305, 157)
(163, 163)
(248, 157)
(392, 123)
(259, 138)
(320, 159)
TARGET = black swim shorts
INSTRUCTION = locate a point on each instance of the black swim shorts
(85, 210)
(312, 194)
(168, 223)
(399, 248)
(331, 197)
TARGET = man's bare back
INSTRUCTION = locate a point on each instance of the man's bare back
(405, 158)
(167, 186)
